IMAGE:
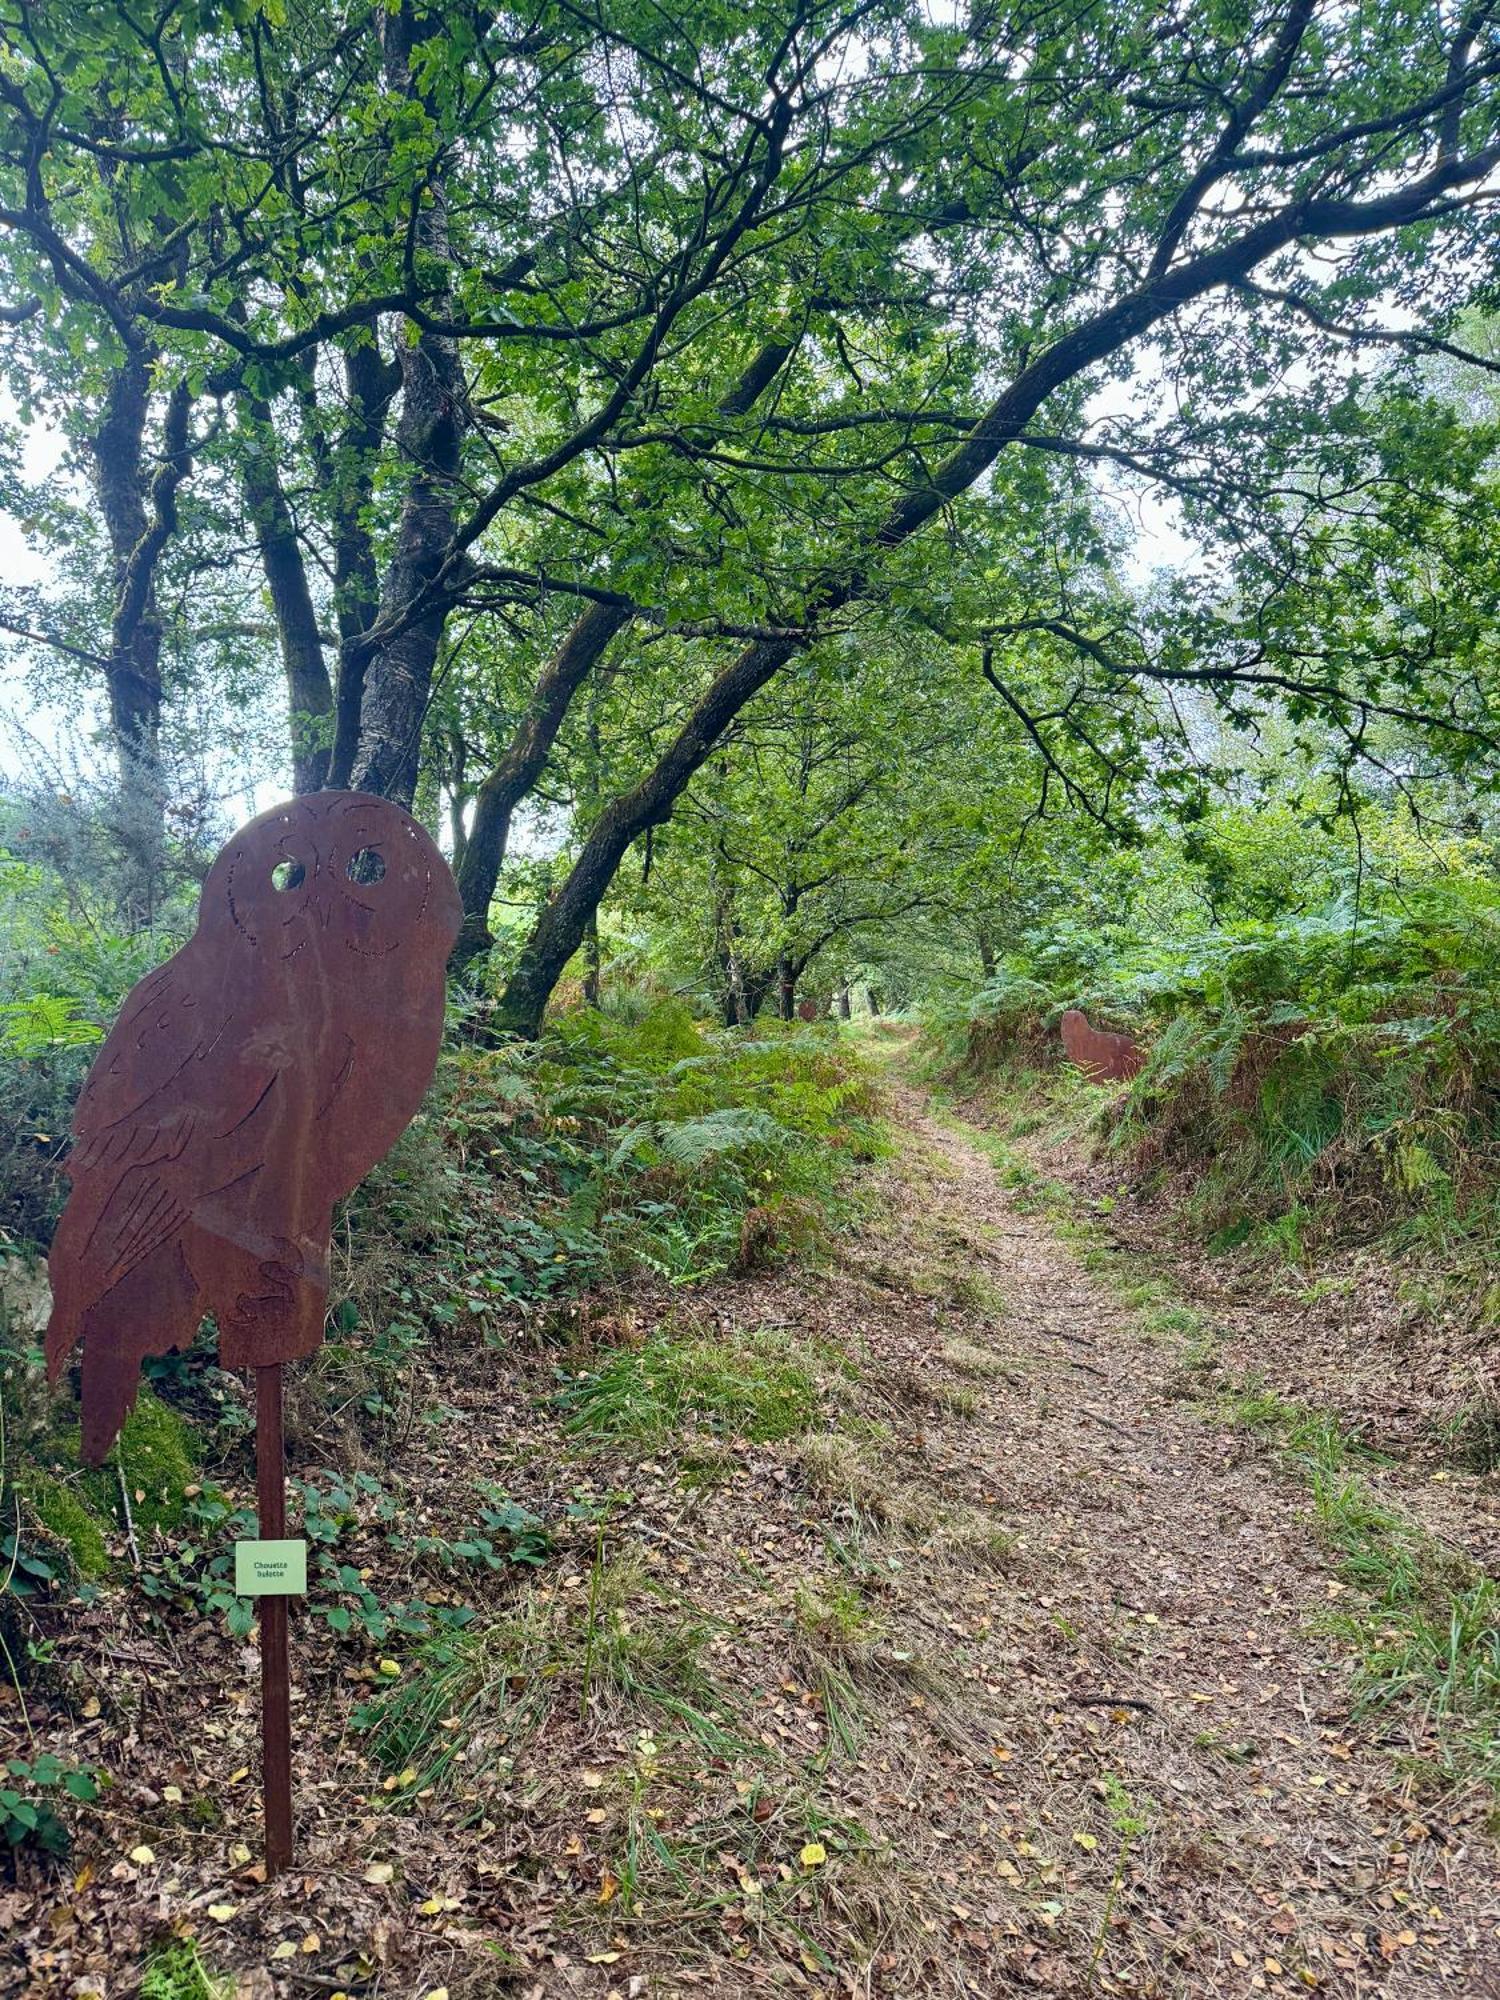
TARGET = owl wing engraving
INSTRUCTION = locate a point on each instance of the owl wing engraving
(160, 1096)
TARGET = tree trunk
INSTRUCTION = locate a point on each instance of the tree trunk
(309, 689)
(986, 955)
(526, 756)
(786, 989)
(559, 928)
(591, 961)
(845, 1006)
(138, 532)
(398, 668)
(519, 769)
(349, 476)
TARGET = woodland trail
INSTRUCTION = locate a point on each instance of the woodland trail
(1156, 1641)
(913, 1627)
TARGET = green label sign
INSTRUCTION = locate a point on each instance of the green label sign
(270, 1569)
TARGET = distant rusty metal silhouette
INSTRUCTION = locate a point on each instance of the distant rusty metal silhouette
(809, 1010)
(249, 1084)
(1106, 1057)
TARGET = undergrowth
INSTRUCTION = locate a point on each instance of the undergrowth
(1329, 1076)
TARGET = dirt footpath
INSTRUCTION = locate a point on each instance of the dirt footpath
(1151, 1659)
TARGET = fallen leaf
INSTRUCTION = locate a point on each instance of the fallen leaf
(1087, 1841)
(813, 1855)
(222, 1912)
(312, 1942)
(286, 1949)
(379, 1872)
(142, 1856)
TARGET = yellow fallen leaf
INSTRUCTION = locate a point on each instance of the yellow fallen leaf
(1087, 1841)
(436, 1993)
(91, 1708)
(591, 1780)
(813, 1964)
(596, 1816)
(608, 1888)
(222, 1912)
(286, 1949)
(1273, 1966)
(311, 1943)
(142, 1856)
(603, 1957)
(172, 1794)
(813, 1855)
(239, 1855)
(390, 1669)
(433, 1907)
(380, 1872)
(235, 1777)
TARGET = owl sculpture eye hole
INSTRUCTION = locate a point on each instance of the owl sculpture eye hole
(288, 875)
(366, 866)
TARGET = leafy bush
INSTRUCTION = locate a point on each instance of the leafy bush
(64, 969)
(30, 1797)
(1332, 1069)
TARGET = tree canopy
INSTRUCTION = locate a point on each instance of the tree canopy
(714, 432)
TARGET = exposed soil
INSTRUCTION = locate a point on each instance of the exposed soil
(1009, 1595)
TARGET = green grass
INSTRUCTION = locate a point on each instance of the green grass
(471, 1701)
(760, 1388)
(1424, 1630)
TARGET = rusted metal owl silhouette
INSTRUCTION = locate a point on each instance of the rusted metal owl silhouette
(248, 1085)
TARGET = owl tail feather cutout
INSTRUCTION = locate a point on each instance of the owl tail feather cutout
(249, 1084)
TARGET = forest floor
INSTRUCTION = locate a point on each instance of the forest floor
(934, 1616)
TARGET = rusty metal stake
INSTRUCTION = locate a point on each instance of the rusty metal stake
(275, 1656)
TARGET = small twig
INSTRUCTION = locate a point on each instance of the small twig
(1111, 1701)
(1108, 1422)
(135, 1551)
(1056, 1333)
